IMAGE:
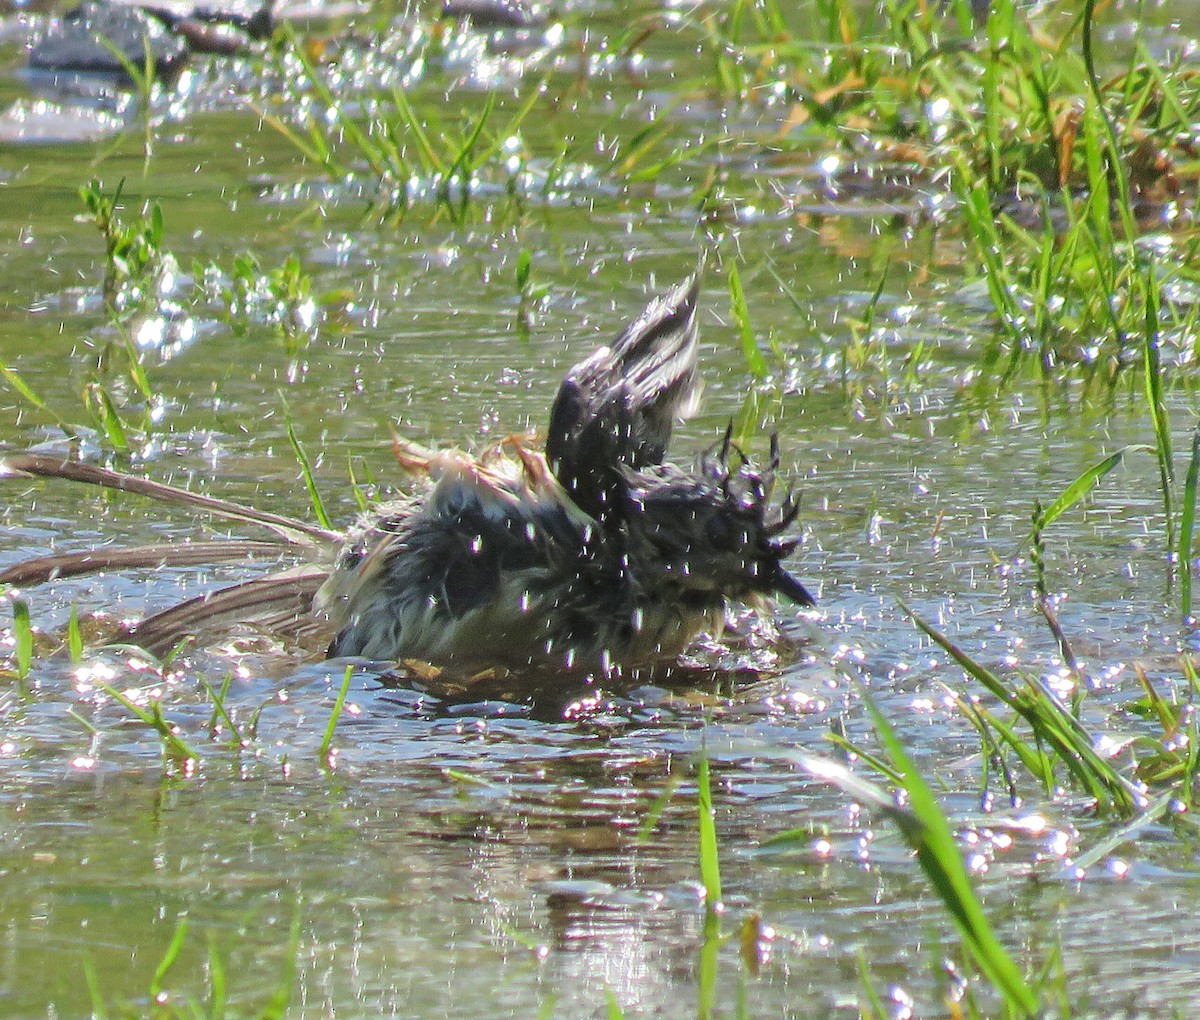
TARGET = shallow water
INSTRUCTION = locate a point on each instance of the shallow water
(460, 858)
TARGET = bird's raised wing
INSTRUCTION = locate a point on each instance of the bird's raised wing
(616, 408)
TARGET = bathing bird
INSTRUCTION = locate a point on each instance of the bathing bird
(593, 553)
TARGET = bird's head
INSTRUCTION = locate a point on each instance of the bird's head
(712, 529)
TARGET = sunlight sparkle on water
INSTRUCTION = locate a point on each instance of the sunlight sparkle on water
(903, 1001)
(306, 314)
(151, 333)
(1058, 844)
(851, 652)
(1061, 682)
(513, 149)
(1107, 746)
(938, 111)
(91, 674)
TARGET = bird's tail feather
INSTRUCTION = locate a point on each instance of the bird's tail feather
(280, 603)
(292, 531)
(41, 569)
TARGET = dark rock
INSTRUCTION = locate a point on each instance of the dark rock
(212, 37)
(74, 45)
(495, 13)
(251, 16)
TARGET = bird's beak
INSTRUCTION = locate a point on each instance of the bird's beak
(787, 585)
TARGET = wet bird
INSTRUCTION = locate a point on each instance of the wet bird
(593, 554)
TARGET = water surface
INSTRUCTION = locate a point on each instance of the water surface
(456, 860)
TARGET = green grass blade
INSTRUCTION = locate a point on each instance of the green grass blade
(741, 315)
(1085, 483)
(316, 151)
(748, 417)
(468, 146)
(710, 869)
(310, 483)
(870, 1006)
(1116, 162)
(137, 372)
(1002, 287)
(524, 268)
(175, 746)
(929, 834)
(217, 987)
(169, 957)
(1157, 406)
(788, 291)
(1052, 724)
(512, 126)
(141, 75)
(980, 672)
(1187, 523)
(83, 722)
(99, 1010)
(706, 977)
(23, 633)
(107, 416)
(1032, 756)
(659, 804)
(327, 741)
(74, 636)
(376, 158)
(873, 760)
(24, 390)
(1128, 832)
(433, 163)
(612, 1006)
(175, 652)
(990, 749)
(218, 700)
(277, 1006)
